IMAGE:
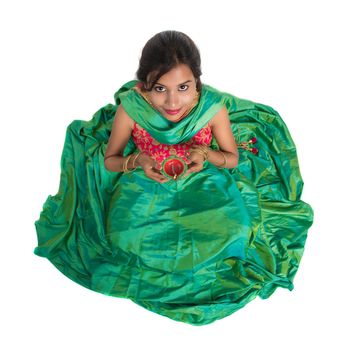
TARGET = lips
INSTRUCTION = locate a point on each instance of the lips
(173, 111)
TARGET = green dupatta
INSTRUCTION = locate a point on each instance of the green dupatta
(162, 129)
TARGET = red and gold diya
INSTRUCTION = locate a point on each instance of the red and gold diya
(173, 167)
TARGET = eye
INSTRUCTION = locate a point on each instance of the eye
(159, 88)
(183, 87)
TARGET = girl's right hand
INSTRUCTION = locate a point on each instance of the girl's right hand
(148, 164)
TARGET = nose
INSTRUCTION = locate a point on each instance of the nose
(172, 99)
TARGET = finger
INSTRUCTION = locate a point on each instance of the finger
(189, 171)
(157, 175)
(156, 171)
(157, 178)
(151, 170)
(196, 168)
(191, 165)
(163, 180)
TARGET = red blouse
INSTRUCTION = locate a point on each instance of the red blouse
(158, 151)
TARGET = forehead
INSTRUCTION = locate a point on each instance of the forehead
(176, 75)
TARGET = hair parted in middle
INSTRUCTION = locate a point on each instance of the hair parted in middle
(163, 52)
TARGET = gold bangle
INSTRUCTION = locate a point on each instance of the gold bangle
(125, 165)
(201, 149)
(133, 161)
(225, 160)
(205, 150)
(126, 160)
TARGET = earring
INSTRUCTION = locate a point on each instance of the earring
(147, 99)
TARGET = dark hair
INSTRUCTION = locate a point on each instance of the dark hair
(165, 51)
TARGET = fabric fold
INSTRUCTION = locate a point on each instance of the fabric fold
(196, 249)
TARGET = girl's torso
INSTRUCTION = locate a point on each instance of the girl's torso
(158, 151)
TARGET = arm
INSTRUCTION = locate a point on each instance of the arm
(121, 132)
(221, 130)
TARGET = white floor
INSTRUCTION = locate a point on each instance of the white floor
(63, 60)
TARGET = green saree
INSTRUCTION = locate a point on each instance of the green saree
(196, 249)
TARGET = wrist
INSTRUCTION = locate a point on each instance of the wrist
(127, 166)
(133, 161)
(202, 150)
(210, 154)
(138, 159)
(222, 165)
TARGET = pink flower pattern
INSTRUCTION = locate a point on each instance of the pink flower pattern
(158, 151)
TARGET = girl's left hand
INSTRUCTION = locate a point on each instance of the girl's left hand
(197, 161)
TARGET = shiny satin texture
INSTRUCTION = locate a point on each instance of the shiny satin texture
(196, 249)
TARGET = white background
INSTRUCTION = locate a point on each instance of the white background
(63, 60)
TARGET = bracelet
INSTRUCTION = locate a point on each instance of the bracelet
(133, 161)
(225, 160)
(203, 150)
(125, 165)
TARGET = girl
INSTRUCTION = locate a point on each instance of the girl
(160, 204)
(170, 82)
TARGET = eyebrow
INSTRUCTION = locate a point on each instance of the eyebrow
(188, 81)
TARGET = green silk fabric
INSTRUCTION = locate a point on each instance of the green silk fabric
(196, 249)
(162, 129)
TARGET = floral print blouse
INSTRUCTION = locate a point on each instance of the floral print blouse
(158, 151)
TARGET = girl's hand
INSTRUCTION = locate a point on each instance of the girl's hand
(197, 161)
(148, 165)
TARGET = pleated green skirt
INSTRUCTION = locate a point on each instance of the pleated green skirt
(194, 250)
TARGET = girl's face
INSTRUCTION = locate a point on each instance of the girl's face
(174, 93)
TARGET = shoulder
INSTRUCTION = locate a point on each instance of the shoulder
(219, 118)
(122, 117)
